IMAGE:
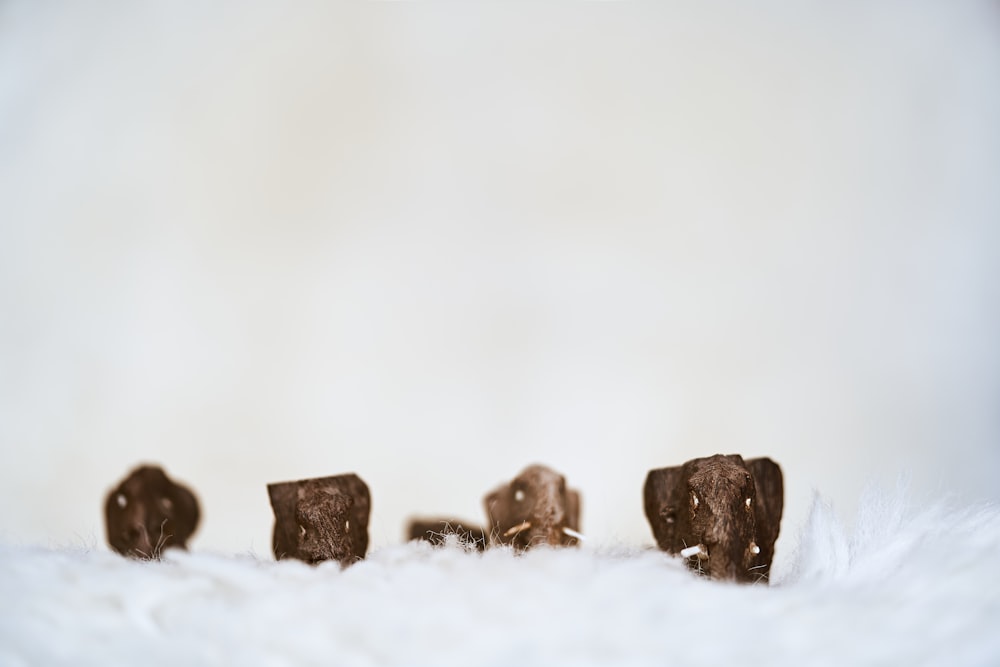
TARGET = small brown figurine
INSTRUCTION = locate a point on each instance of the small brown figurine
(436, 532)
(148, 512)
(534, 508)
(321, 519)
(721, 513)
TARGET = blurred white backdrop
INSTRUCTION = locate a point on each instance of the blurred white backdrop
(432, 244)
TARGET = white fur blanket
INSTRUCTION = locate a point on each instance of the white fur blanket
(912, 586)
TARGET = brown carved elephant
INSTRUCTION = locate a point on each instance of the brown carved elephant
(149, 512)
(720, 512)
(320, 519)
(436, 532)
(534, 508)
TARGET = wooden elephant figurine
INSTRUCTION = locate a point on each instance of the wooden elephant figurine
(534, 508)
(149, 512)
(320, 519)
(720, 512)
(436, 531)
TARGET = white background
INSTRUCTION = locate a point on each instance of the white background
(433, 244)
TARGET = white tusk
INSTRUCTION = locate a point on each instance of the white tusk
(518, 528)
(573, 533)
(696, 550)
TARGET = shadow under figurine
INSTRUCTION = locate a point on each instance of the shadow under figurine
(436, 531)
(534, 508)
(721, 513)
(149, 512)
(320, 519)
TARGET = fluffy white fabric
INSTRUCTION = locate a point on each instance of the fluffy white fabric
(912, 586)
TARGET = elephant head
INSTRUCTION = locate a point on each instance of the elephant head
(721, 513)
(149, 512)
(321, 519)
(534, 508)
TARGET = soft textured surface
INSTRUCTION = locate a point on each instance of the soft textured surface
(912, 586)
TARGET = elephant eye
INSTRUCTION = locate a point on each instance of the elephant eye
(519, 495)
(668, 514)
(121, 500)
(166, 504)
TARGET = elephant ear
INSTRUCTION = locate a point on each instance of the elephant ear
(498, 511)
(283, 497)
(769, 482)
(353, 486)
(573, 509)
(658, 496)
(185, 513)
